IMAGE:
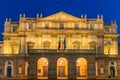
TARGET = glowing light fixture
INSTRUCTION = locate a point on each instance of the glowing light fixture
(45, 61)
(78, 61)
(61, 61)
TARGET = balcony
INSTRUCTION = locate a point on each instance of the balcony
(14, 55)
(62, 51)
(107, 56)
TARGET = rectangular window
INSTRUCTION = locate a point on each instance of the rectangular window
(91, 26)
(101, 70)
(114, 30)
(61, 25)
(30, 26)
(20, 69)
(14, 49)
(76, 26)
(15, 28)
(46, 26)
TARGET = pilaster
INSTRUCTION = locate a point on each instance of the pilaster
(72, 69)
(91, 68)
(52, 74)
(32, 69)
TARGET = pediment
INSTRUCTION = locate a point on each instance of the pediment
(61, 16)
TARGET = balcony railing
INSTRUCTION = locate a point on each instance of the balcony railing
(62, 51)
(109, 55)
(64, 28)
(14, 55)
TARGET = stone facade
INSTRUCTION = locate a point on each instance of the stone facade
(59, 46)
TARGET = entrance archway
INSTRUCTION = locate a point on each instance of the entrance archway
(42, 67)
(81, 68)
(9, 71)
(112, 69)
(9, 68)
(62, 68)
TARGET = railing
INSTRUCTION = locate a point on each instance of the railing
(62, 51)
(110, 55)
(14, 55)
(66, 28)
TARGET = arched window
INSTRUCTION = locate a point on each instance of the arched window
(76, 45)
(46, 45)
(30, 44)
(8, 68)
(92, 44)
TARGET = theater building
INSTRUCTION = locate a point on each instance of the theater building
(59, 46)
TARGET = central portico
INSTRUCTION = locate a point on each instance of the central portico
(62, 65)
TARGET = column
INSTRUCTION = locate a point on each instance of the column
(69, 42)
(71, 68)
(116, 46)
(54, 42)
(6, 45)
(22, 43)
(84, 42)
(52, 69)
(100, 47)
(32, 68)
(91, 68)
(36, 42)
(40, 42)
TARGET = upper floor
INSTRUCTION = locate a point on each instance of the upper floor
(59, 21)
(61, 28)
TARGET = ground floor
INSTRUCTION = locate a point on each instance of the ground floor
(60, 66)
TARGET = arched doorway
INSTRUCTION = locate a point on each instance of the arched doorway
(112, 69)
(62, 68)
(42, 68)
(9, 69)
(81, 68)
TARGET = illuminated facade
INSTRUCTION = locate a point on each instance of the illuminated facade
(59, 46)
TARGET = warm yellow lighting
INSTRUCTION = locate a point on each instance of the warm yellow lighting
(61, 61)
(45, 61)
(81, 67)
(42, 67)
(62, 67)
(78, 61)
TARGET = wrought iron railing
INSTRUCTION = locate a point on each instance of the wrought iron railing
(14, 55)
(109, 55)
(62, 51)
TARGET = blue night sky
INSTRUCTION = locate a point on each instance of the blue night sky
(110, 9)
